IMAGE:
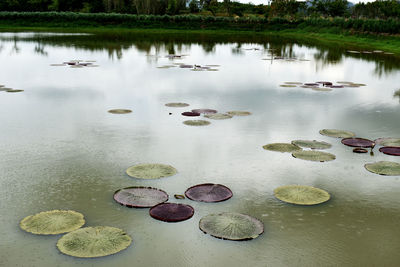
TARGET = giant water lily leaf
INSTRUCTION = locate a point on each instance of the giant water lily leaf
(218, 116)
(150, 171)
(389, 141)
(208, 193)
(52, 222)
(313, 144)
(231, 226)
(238, 113)
(390, 150)
(282, 147)
(336, 133)
(357, 142)
(14, 91)
(313, 155)
(301, 194)
(204, 111)
(176, 105)
(384, 168)
(171, 212)
(196, 122)
(90, 242)
(120, 111)
(140, 197)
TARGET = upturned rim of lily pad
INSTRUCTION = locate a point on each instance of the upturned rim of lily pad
(172, 212)
(150, 171)
(205, 111)
(390, 150)
(360, 150)
(336, 133)
(238, 113)
(218, 116)
(301, 195)
(208, 192)
(358, 142)
(312, 155)
(313, 144)
(177, 105)
(282, 147)
(388, 168)
(231, 226)
(151, 197)
(93, 242)
(190, 114)
(119, 111)
(196, 122)
(52, 222)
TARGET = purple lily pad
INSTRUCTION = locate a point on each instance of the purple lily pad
(325, 83)
(357, 142)
(184, 66)
(204, 111)
(335, 86)
(390, 150)
(171, 212)
(140, 197)
(208, 193)
(190, 114)
(311, 84)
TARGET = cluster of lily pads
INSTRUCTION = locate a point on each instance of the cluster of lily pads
(77, 64)
(369, 52)
(323, 86)
(9, 90)
(207, 113)
(390, 146)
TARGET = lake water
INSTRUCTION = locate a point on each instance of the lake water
(61, 149)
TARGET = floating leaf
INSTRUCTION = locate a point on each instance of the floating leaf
(360, 150)
(171, 212)
(177, 105)
(321, 89)
(120, 111)
(190, 114)
(282, 147)
(301, 194)
(344, 82)
(390, 150)
(196, 122)
(150, 171)
(325, 83)
(218, 116)
(204, 111)
(311, 84)
(384, 168)
(184, 66)
(357, 142)
(140, 197)
(312, 144)
(294, 83)
(335, 86)
(52, 222)
(288, 85)
(337, 133)
(208, 193)
(179, 196)
(14, 91)
(353, 52)
(313, 155)
(90, 242)
(388, 141)
(231, 226)
(57, 65)
(238, 113)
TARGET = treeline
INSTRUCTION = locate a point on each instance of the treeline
(190, 22)
(380, 9)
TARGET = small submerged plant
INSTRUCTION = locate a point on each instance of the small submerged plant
(150, 171)
(231, 226)
(52, 222)
(91, 242)
(301, 194)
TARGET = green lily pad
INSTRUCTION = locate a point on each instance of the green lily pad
(91, 242)
(140, 196)
(150, 171)
(196, 122)
(287, 85)
(120, 111)
(52, 222)
(336, 133)
(321, 89)
(238, 113)
(177, 105)
(301, 194)
(294, 83)
(231, 226)
(313, 155)
(282, 147)
(312, 144)
(14, 91)
(384, 168)
(218, 116)
(389, 141)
